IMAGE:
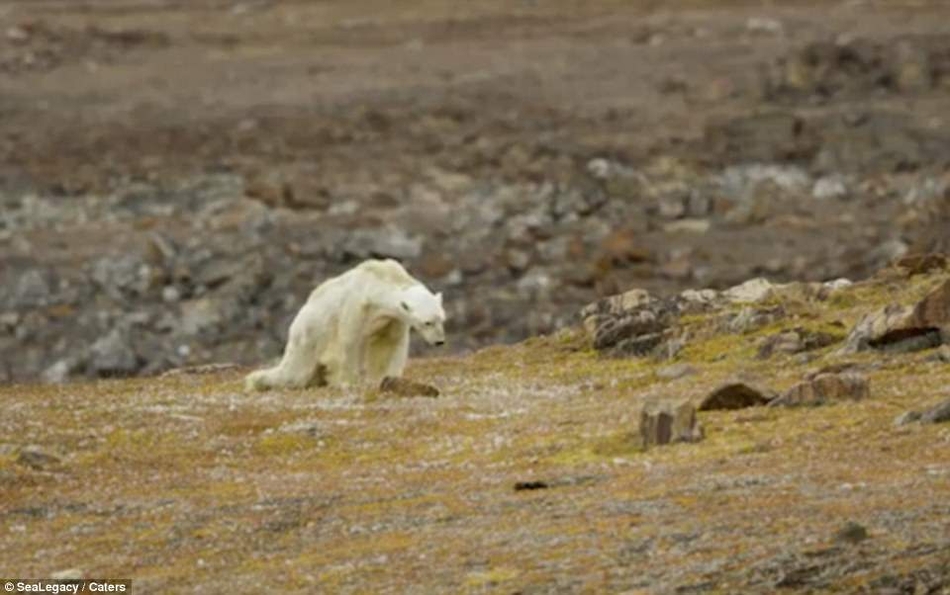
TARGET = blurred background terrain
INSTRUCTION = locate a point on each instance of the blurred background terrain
(175, 177)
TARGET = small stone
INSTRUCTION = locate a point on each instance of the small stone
(830, 188)
(407, 388)
(938, 414)
(736, 395)
(69, 574)
(170, 294)
(826, 388)
(851, 532)
(530, 485)
(666, 423)
(693, 226)
(36, 458)
(907, 417)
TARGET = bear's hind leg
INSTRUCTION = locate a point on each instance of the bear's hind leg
(298, 368)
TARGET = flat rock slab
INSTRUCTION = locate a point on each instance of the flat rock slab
(407, 388)
(826, 388)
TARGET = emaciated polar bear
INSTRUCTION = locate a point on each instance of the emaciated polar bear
(356, 326)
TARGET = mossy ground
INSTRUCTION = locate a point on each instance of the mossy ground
(189, 484)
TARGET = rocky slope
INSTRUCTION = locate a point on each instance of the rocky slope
(175, 178)
(818, 460)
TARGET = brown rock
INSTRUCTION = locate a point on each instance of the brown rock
(899, 328)
(826, 388)
(666, 423)
(920, 264)
(407, 388)
(736, 395)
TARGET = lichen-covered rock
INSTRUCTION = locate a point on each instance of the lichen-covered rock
(666, 423)
(826, 388)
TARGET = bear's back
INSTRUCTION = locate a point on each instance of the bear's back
(388, 271)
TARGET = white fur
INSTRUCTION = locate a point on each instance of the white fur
(355, 327)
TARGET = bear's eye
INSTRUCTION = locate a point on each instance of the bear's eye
(429, 323)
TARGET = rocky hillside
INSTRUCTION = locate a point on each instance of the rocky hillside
(176, 177)
(766, 438)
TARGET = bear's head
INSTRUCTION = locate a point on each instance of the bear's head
(423, 312)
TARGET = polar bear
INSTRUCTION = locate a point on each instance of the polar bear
(354, 327)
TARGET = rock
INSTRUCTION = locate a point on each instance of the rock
(752, 291)
(694, 226)
(36, 458)
(113, 355)
(751, 318)
(795, 341)
(902, 329)
(921, 264)
(907, 417)
(386, 242)
(764, 25)
(68, 574)
(530, 485)
(407, 388)
(33, 288)
(122, 276)
(60, 371)
(736, 395)
(852, 533)
(674, 371)
(942, 354)
(826, 388)
(667, 423)
(830, 188)
(938, 414)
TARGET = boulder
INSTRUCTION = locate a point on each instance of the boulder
(826, 388)
(901, 329)
(667, 423)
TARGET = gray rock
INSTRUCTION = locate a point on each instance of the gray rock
(33, 288)
(833, 187)
(667, 423)
(113, 355)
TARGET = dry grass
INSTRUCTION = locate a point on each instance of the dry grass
(187, 484)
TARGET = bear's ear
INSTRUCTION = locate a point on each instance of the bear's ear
(438, 296)
(405, 306)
